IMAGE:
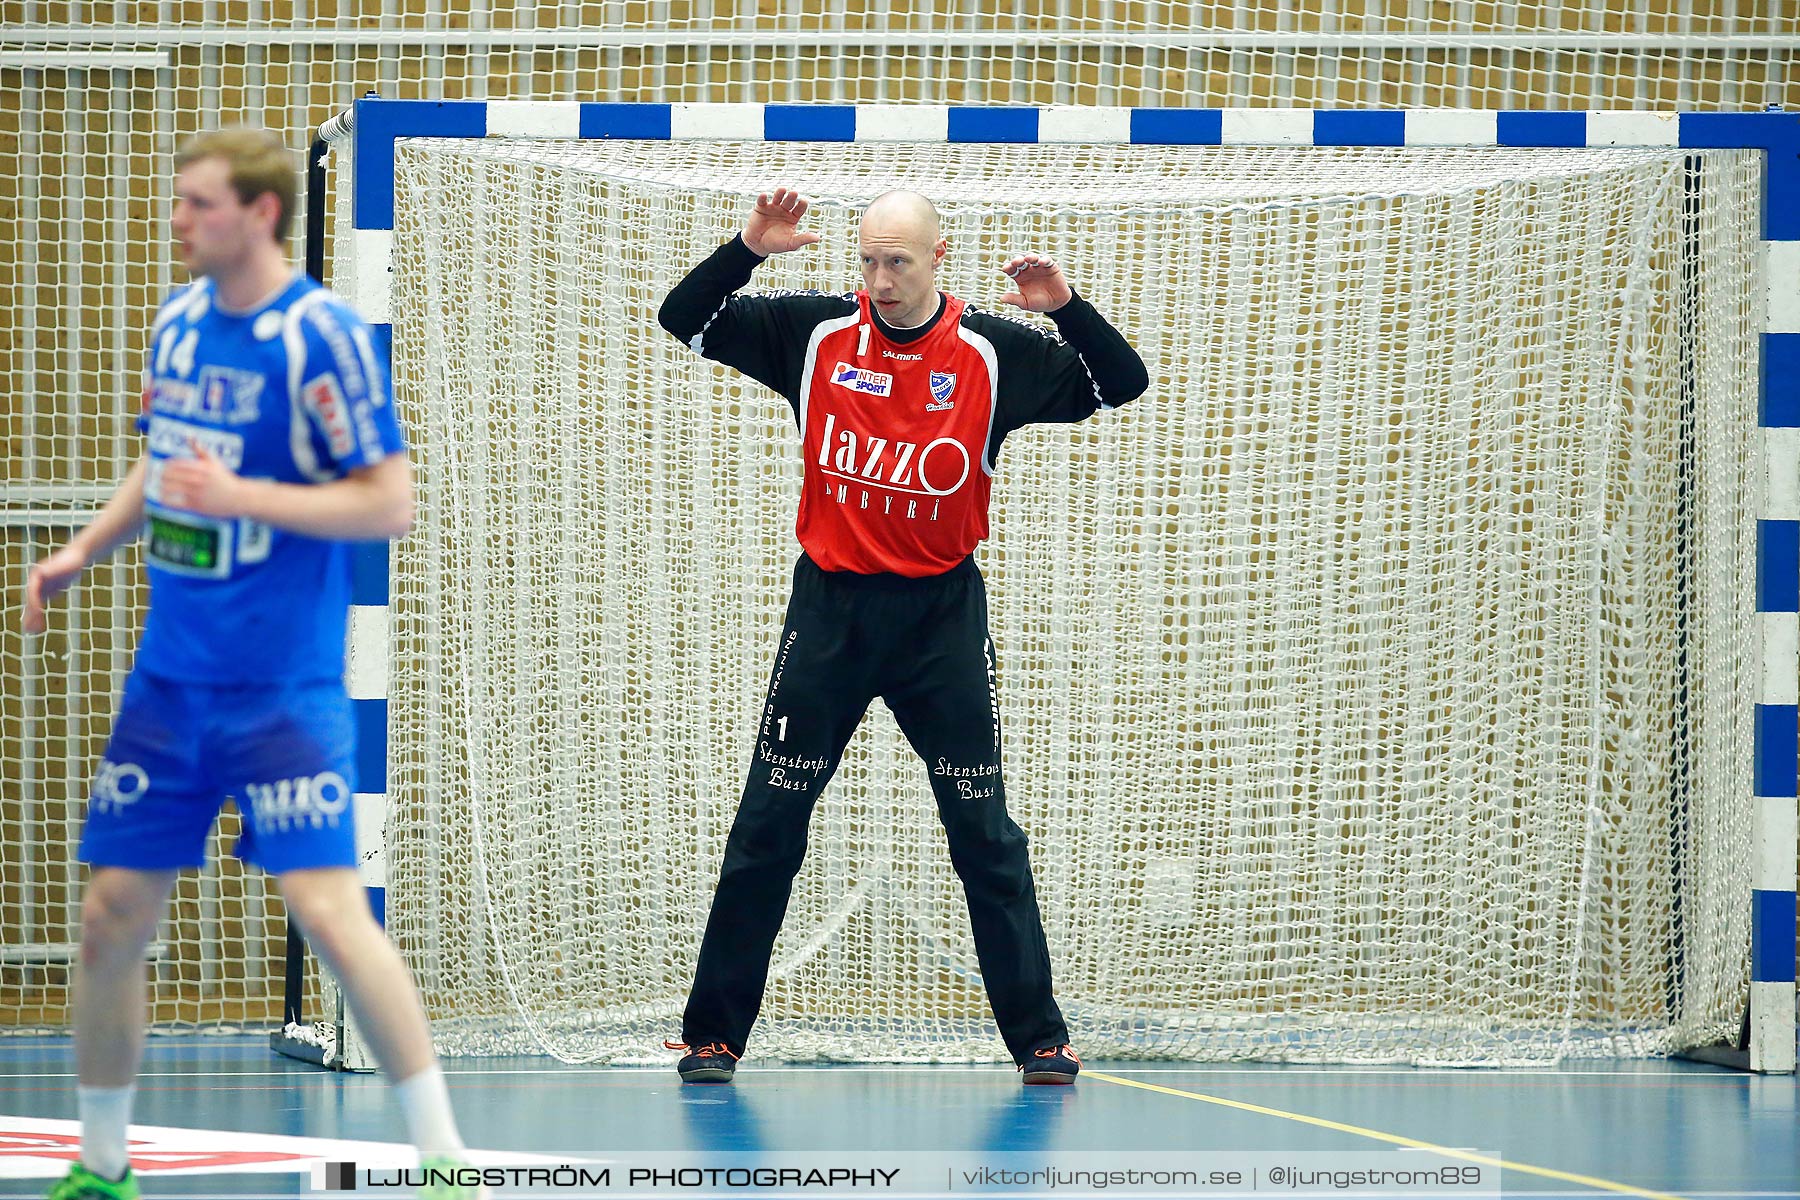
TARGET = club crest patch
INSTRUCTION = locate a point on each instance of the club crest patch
(942, 384)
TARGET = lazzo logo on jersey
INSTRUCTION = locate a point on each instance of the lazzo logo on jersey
(314, 800)
(859, 379)
(942, 384)
(119, 784)
(324, 398)
(905, 466)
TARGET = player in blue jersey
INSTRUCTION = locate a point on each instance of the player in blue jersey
(272, 445)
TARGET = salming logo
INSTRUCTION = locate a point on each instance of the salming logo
(987, 652)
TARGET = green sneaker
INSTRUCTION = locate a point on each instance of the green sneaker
(441, 1182)
(82, 1184)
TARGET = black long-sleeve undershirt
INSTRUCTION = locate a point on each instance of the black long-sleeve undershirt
(1042, 378)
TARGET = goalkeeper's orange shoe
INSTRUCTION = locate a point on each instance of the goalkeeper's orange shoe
(1052, 1064)
(712, 1062)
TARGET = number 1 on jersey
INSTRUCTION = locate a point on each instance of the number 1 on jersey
(781, 726)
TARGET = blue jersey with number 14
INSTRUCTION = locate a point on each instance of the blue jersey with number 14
(297, 391)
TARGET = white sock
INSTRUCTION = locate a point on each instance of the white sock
(105, 1112)
(425, 1101)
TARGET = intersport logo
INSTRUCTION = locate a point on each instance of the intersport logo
(862, 380)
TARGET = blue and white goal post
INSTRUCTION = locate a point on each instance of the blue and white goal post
(1768, 1041)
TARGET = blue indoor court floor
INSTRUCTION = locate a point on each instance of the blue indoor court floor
(1634, 1128)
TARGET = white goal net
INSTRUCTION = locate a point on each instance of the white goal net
(98, 95)
(1350, 678)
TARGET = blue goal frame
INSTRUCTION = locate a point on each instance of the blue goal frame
(1768, 1041)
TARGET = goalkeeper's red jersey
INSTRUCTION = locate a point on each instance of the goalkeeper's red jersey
(900, 429)
(896, 434)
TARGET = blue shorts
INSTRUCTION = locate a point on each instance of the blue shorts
(285, 753)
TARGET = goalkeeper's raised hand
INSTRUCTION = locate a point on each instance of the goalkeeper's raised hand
(774, 228)
(1038, 283)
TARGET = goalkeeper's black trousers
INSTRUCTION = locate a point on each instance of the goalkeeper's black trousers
(921, 645)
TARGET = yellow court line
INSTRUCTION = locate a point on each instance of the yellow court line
(1624, 1189)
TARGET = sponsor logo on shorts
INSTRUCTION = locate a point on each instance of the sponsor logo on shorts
(860, 379)
(119, 784)
(306, 800)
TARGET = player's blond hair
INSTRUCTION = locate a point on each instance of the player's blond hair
(259, 162)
